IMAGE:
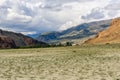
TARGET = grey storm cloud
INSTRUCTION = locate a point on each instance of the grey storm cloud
(113, 8)
(96, 13)
(36, 16)
(113, 5)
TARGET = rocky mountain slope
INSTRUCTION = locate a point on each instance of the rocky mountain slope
(11, 40)
(6, 42)
(79, 32)
(108, 36)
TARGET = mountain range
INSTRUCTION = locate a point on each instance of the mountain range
(80, 32)
(84, 32)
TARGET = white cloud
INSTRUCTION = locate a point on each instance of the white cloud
(29, 33)
(35, 16)
(17, 18)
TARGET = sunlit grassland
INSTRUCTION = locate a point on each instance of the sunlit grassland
(101, 62)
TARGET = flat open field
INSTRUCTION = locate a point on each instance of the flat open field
(61, 63)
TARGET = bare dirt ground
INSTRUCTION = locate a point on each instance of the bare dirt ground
(62, 63)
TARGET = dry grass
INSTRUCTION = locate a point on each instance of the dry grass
(65, 63)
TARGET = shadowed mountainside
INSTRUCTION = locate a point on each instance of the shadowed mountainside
(6, 42)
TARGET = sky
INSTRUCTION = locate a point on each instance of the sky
(37, 16)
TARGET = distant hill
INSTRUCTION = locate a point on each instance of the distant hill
(34, 36)
(11, 40)
(82, 31)
(108, 36)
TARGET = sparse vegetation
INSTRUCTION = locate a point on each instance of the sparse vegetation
(87, 62)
